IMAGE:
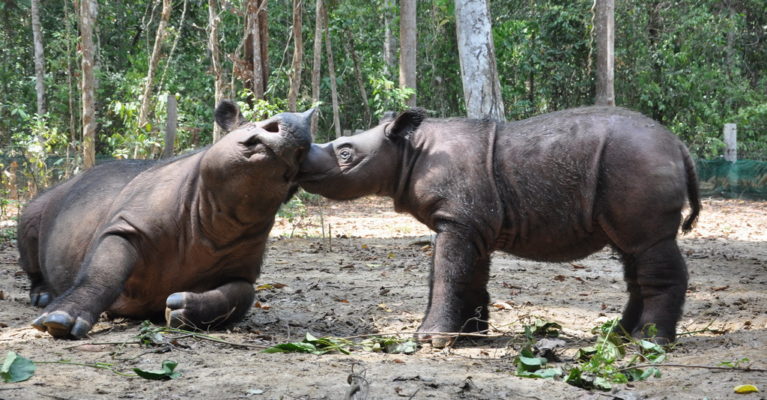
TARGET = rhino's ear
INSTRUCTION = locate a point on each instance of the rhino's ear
(228, 116)
(406, 122)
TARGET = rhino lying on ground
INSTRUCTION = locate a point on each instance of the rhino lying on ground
(556, 187)
(185, 236)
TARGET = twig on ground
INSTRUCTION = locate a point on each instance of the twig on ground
(744, 369)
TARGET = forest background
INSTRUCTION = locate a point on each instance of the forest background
(692, 65)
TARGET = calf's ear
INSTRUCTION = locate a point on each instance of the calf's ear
(406, 122)
(228, 116)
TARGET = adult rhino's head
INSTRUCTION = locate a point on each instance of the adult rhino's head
(252, 169)
(367, 163)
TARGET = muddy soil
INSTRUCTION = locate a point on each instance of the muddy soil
(370, 277)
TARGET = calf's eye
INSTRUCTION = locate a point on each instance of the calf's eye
(345, 155)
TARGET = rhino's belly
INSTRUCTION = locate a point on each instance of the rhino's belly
(555, 246)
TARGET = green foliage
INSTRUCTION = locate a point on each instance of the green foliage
(387, 97)
(313, 345)
(390, 344)
(693, 66)
(166, 373)
(599, 366)
(16, 368)
(542, 328)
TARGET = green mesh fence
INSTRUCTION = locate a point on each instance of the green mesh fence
(743, 179)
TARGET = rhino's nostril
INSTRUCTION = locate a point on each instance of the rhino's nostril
(273, 127)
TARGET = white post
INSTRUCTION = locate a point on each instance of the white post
(731, 142)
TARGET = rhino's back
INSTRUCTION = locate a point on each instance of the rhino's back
(553, 172)
(70, 214)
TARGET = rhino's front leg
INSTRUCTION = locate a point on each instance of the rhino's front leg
(458, 294)
(97, 285)
(223, 305)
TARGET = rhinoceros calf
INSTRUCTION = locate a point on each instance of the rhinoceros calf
(185, 236)
(557, 187)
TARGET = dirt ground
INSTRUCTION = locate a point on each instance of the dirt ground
(371, 278)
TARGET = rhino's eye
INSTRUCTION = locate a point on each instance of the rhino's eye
(345, 155)
(252, 141)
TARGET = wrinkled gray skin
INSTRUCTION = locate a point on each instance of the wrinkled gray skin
(183, 237)
(557, 187)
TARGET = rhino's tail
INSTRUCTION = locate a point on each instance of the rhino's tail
(693, 196)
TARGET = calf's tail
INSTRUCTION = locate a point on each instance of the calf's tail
(693, 196)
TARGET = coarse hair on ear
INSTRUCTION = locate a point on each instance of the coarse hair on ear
(228, 116)
(405, 123)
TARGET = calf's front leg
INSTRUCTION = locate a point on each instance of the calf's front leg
(458, 294)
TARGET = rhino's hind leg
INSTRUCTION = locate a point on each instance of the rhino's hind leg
(215, 308)
(657, 282)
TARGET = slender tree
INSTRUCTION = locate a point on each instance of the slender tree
(350, 49)
(146, 101)
(407, 49)
(481, 88)
(390, 45)
(37, 38)
(215, 58)
(298, 54)
(332, 73)
(256, 46)
(605, 32)
(88, 12)
(317, 59)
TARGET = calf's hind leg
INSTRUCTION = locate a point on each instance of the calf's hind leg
(657, 282)
(225, 304)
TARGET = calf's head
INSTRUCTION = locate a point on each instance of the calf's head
(363, 164)
(251, 170)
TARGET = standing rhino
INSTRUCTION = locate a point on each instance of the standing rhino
(556, 187)
(185, 236)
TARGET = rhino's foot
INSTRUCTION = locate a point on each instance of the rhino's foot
(60, 324)
(39, 296)
(179, 310)
(191, 310)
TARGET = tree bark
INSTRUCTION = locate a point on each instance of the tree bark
(88, 12)
(218, 81)
(358, 76)
(605, 32)
(70, 74)
(37, 38)
(317, 60)
(390, 45)
(481, 88)
(146, 101)
(256, 49)
(407, 51)
(298, 54)
(170, 127)
(332, 73)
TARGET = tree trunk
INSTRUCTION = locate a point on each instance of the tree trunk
(298, 54)
(332, 73)
(37, 37)
(316, 66)
(605, 32)
(146, 101)
(70, 73)
(218, 81)
(88, 12)
(390, 45)
(481, 88)
(408, 47)
(170, 127)
(358, 76)
(256, 49)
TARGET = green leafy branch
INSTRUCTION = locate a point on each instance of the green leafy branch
(18, 369)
